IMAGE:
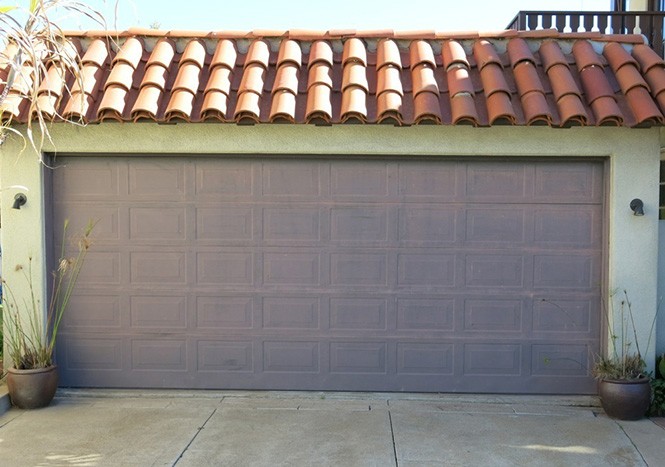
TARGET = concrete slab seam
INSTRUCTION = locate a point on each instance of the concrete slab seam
(392, 435)
(639, 453)
(182, 453)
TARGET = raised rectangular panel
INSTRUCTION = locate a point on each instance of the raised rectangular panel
(105, 218)
(494, 271)
(92, 311)
(358, 313)
(162, 178)
(359, 179)
(231, 356)
(291, 268)
(425, 358)
(166, 267)
(224, 178)
(562, 315)
(357, 357)
(564, 271)
(358, 269)
(224, 312)
(291, 178)
(291, 312)
(492, 359)
(570, 227)
(360, 224)
(560, 360)
(291, 224)
(224, 223)
(88, 178)
(224, 268)
(492, 315)
(495, 225)
(496, 181)
(157, 223)
(159, 354)
(161, 312)
(100, 353)
(428, 180)
(100, 268)
(573, 182)
(427, 226)
(429, 270)
(290, 356)
(425, 313)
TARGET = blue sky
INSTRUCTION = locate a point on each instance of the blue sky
(245, 15)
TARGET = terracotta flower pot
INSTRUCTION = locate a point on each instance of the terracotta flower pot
(32, 389)
(625, 399)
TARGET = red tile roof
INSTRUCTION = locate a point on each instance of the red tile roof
(420, 77)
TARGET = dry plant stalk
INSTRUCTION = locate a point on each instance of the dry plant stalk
(30, 340)
(35, 50)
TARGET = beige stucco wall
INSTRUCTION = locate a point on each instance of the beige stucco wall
(633, 155)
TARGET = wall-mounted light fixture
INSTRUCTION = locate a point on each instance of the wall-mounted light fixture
(637, 207)
(19, 200)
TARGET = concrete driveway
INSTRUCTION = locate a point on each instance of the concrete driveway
(127, 428)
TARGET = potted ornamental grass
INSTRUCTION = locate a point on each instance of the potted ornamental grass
(32, 376)
(624, 383)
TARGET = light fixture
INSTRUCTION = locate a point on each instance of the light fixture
(637, 206)
(19, 200)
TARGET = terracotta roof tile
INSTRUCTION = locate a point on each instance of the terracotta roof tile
(333, 77)
(388, 54)
(647, 58)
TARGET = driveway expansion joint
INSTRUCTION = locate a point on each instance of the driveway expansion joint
(198, 431)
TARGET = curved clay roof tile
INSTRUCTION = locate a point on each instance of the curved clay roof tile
(485, 53)
(453, 53)
(519, 51)
(387, 53)
(130, 52)
(421, 52)
(225, 55)
(354, 50)
(320, 51)
(289, 51)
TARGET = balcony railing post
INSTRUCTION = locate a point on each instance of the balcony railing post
(623, 22)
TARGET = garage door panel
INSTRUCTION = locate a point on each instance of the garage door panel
(92, 311)
(358, 313)
(225, 267)
(159, 268)
(565, 226)
(290, 313)
(232, 180)
(426, 226)
(560, 360)
(162, 178)
(157, 223)
(213, 223)
(428, 180)
(217, 356)
(292, 179)
(496, 225)
(162, 312)
(494, 270)
(294, 224)
(579, 271)
(425, 313)
(493, 315)
(579, 183)
(359, 180)
(224, 312)
(373, 275)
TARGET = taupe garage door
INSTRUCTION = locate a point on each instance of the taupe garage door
(338, 274)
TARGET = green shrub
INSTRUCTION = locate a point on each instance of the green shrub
(657, 408)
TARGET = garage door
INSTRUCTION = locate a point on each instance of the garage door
(334, 274)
